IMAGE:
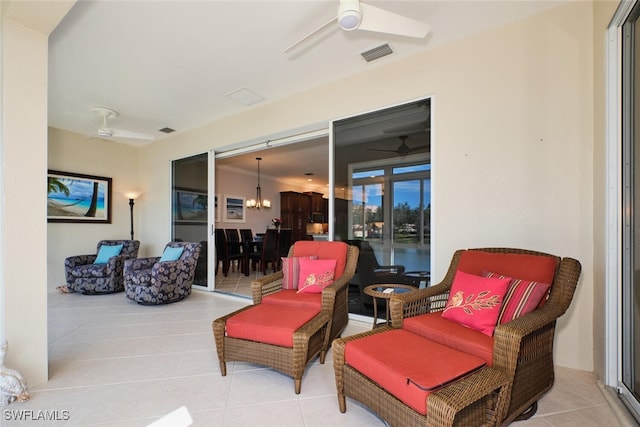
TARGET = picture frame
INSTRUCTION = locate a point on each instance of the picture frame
(79, 198)
(190, 206)
(234, 209)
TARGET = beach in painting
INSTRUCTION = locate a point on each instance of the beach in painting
(66, 207)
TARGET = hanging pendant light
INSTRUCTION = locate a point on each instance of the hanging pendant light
(258, 202)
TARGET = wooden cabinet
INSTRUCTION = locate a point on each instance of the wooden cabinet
(295, 209)
(316, 201)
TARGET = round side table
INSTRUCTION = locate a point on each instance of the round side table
(385, 291)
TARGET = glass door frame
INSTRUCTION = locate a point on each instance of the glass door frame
(210, 216)
(618, 251)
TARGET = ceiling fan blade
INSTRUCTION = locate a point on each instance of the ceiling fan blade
(317, 30)
(383, 21)
(120, 133)
(380, 149)
(419, 147)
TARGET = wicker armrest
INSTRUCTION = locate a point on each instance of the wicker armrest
(421, 301)
(527, 324)
(330, 292)
(515, 339)
(266, 286)
(449, 401)
(302, 336)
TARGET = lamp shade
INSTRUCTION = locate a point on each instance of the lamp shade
(132, 194)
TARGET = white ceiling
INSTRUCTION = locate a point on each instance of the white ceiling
(171, 63)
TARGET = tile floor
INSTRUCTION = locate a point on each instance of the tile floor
(116, 363)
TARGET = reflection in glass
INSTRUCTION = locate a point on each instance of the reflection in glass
(382, 179)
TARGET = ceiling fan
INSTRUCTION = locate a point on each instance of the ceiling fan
(354, 15)
(105, 131)
(403, 149)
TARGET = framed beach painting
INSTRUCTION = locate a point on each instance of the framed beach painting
(234, 209)
(73, 197)
(190, 206)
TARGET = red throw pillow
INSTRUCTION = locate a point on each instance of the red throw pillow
(291, 271)
(315, 275)
(475, 301)
(522, 297)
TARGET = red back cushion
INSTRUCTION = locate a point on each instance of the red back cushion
(537, 268)
(324, 250)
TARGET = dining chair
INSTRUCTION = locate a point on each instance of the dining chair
(246, 235)
(222, 252)
(233, 243)
(284, 243)
(267, 252)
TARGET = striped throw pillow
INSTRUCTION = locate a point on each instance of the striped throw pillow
(522, 297)
(291, 271)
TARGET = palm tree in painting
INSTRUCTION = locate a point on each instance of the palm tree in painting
(94, 201)
(54, 185)
(200, 201)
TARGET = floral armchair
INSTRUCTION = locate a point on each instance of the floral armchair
(84, 275)
(165, 279)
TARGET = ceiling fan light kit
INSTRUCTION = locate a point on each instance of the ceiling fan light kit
(354, 15)
(349, 15)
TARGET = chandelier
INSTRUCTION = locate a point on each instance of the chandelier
(258, 202)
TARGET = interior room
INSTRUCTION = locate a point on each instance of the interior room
(175, 102)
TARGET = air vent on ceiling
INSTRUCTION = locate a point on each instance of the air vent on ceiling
(377, 52)
(166, 130)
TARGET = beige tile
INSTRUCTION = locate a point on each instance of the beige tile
(288, 413)
(116, 363)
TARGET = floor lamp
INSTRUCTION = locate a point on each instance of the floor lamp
(132, 195)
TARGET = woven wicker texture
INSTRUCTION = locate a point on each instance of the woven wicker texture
(522, 359)
(309, 341)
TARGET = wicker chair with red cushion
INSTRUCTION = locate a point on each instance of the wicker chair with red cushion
(292, 319)
(496, 372)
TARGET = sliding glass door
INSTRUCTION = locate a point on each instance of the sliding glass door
(630, 381)
(382, 190)
(190, 212)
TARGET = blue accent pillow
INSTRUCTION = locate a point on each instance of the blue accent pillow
(171, 254)
(106, 252)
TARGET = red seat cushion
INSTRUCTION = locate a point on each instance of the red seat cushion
(269, 323)
(324, 250)
(290, 298)
(409, 375)
(451, 334)
(538, 268)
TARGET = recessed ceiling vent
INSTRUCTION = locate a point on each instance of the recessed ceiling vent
(166, 130)
(377, 52)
